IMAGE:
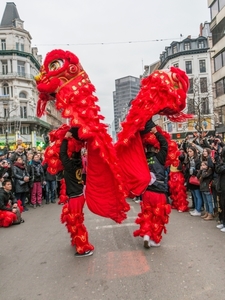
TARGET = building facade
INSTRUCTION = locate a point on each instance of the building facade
(19, 63)
(217, 27)
(126, 89)
(191, 55)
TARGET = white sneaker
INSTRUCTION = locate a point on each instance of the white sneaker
(220, 226)
(195, 214)
(192, 211)
(153, 244)
(223, 229)
(146, 241)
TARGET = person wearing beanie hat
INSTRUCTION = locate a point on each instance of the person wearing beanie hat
(74, 131)
(155, 196)
(148, 126)
(74, 190)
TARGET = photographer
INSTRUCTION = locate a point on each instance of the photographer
(5, 170)
(217, 144)
(19, 152)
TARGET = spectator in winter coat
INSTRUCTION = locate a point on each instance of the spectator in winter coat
(21, 180)
(220, 170)
(50, 187)
(5, 170)
(36, 174)
(205, 174)
(192, 168)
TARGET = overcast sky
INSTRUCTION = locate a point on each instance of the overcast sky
(112, 39)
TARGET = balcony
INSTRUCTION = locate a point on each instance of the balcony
(4, 97)
(16, 75)
(29, 119)
(21, 54)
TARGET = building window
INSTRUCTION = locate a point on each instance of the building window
(202, 66)
(187, 46)
(169, 127)
(3, 44)
(214, 9)
(191, 106)
(17, 46)
(5, 112)
(21, 68)
(221, 4)
(174, 49)
(205, 106)
(23, 111)
(218, 62)
(220, 87)
(218, 32)
(22, 95)
(201, 44)
(5, 89)
(203, 85)
(190, 91)
(22, 44)
(4, 67)
(25, 129)
(188, 66)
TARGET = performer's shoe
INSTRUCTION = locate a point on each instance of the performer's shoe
(87, 253)
(146, 242)
(153, 244)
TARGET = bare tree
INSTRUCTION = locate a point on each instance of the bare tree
(200, 103)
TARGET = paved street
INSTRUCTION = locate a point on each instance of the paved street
(38, 263)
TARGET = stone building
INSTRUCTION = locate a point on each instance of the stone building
(19, 63)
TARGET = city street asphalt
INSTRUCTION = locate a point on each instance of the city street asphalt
(37, 261)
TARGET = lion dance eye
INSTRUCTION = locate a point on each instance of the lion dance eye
(55, 65)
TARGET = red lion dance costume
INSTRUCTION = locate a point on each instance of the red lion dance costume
(63, 79)
(164, 93)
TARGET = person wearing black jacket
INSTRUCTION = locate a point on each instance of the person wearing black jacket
(50, 187)
(9, 210)
(220, 170)
(155, 196)
(21, 181)
(74, 190)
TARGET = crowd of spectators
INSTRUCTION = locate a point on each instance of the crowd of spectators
(30, 181)
(203, 157)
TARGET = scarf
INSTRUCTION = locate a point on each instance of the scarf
(19, 165)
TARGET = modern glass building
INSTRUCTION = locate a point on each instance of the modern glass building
(126, 90)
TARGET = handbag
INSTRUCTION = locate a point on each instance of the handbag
(194, 180)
